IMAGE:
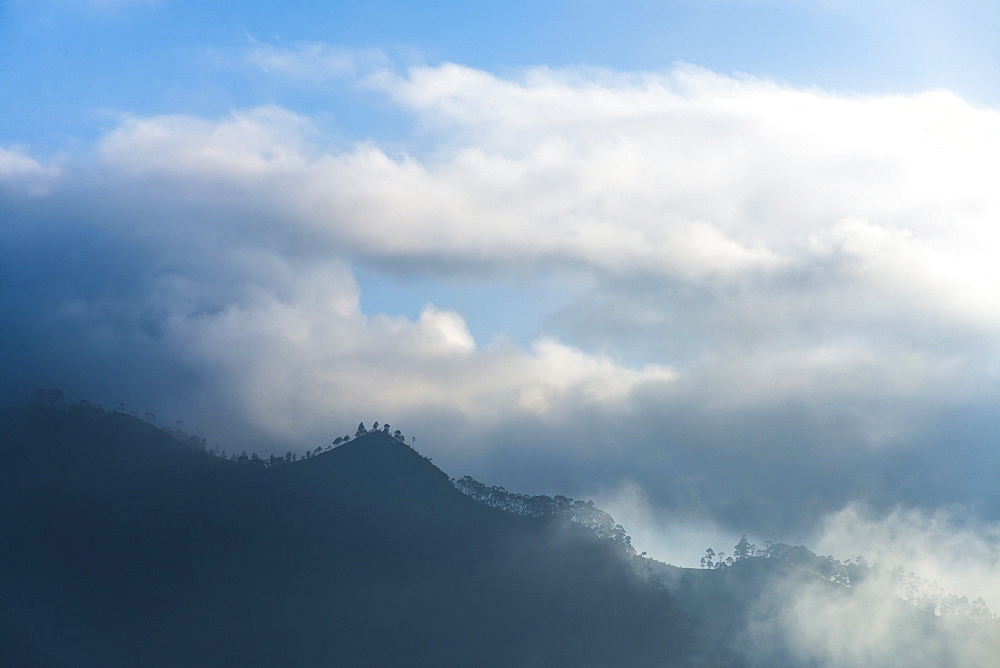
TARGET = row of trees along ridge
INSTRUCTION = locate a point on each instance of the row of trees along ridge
(581, 512)
(287, 458)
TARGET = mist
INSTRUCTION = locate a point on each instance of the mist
(725, 269)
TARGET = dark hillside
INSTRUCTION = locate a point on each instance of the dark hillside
(125, 545)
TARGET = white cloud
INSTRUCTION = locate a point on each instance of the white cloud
(290, 360)
(20, 170)
(314, 61)
(15, 162)
(844, 244)
(752, 253)
(811, 221)
(263, 142)
(446, 329)
(686, 174)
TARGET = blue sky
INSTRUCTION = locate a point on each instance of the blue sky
(721, 265)
(69, 64)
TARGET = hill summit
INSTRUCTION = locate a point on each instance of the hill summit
(133, 546)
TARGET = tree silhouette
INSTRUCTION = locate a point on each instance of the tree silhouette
(743, 549)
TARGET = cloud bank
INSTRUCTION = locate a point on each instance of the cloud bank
(786, 296)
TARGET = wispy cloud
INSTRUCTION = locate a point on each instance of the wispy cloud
(315, 61)
(867, 624)
(19, 170)
(948, 545)
(15, 162)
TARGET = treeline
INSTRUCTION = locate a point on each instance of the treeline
(744, 549)
(289, 457)
(54, 399)
(907, 586)
(846, 572)
(581, 512)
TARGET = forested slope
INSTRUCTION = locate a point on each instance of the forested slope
(128, 545)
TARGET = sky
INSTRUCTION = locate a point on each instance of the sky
(724, 266)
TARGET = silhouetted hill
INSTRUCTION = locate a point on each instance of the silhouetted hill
(375, 470)
(125, 545)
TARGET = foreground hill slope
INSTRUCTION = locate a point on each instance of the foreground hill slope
(125, 545)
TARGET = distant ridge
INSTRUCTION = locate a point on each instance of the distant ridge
(129, 545)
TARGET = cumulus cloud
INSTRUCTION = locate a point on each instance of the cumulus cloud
(294, 358)
(687, 175)
(778, 282)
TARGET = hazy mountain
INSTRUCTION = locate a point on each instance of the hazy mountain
(125, 545)
(783, 605)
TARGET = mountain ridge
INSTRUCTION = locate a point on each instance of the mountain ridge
(128, 544)
(134, 547)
